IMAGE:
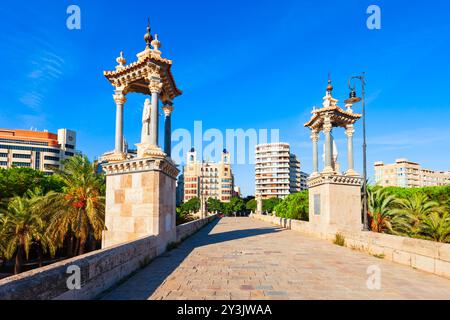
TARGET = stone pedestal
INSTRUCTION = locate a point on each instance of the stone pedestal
(335, 201)
(140, 201)
(259, 204)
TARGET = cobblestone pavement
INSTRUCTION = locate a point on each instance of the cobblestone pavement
(243, 258)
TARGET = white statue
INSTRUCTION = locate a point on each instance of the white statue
(335, 154)
(145, 135)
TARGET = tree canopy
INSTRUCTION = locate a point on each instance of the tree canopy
(17, 181)
(294, 206)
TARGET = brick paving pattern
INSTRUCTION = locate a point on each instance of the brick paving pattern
(243, 258)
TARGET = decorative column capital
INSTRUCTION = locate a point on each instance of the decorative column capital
(349, 130)
(327, 125)
(168, 109)
(119, 97)
(314, 135)
(155, 86)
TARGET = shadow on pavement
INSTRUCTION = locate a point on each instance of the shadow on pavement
(142, 285)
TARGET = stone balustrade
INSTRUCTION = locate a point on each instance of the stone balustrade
(429, 256)
(99, 270)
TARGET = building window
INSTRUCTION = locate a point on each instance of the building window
(21, 164)
(69, 154)
(70, 146)
(51, 158)
(24, 142)
(21, 156)
(8, 147)
(37, 161)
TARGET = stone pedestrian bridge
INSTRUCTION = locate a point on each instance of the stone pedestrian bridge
(244, 258)
(241, 258)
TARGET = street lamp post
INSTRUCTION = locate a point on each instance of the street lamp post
(352, 100)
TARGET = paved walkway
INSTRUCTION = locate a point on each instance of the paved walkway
(243, 258)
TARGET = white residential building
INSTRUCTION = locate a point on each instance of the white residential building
(277, 171)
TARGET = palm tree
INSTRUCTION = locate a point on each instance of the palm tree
(416, 209)
(379, 210)
(43, 237)
(2, 246)
(78, 210)
(22, 227)
(436, 227)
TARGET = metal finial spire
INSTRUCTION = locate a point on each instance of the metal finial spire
(329, 87)
(148, 36)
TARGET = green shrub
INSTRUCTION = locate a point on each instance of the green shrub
(295, 206)
(268, 205)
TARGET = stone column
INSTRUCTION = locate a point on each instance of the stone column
(155, 88)
(259, 204)
(349, 131)
(327, 127)
(315, 139)
(120, 100)
(168, 109)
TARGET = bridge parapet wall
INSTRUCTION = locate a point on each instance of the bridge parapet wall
(187, 229)
(99, 270)
(429, 256)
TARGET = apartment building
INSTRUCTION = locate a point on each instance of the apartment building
(208, 179)
(408, 174)
(40, 150)
(277, 171)
(295, 184)
(304, 180)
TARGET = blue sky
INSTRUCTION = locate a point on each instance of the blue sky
(241, 64)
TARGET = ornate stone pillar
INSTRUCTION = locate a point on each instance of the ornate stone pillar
(315, 139)
(327, 127)
(155, 88)
(349, 131)
(168, 109)
(120, 100)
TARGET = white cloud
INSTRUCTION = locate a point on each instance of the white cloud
(32, 100)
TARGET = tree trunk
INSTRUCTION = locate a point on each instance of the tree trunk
(93, 244)
(39, 256)
(70, 247)
(82, 245)
(18, 264)
(77, 246)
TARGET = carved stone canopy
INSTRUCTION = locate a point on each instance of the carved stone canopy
(331, 113)
(149, 68)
